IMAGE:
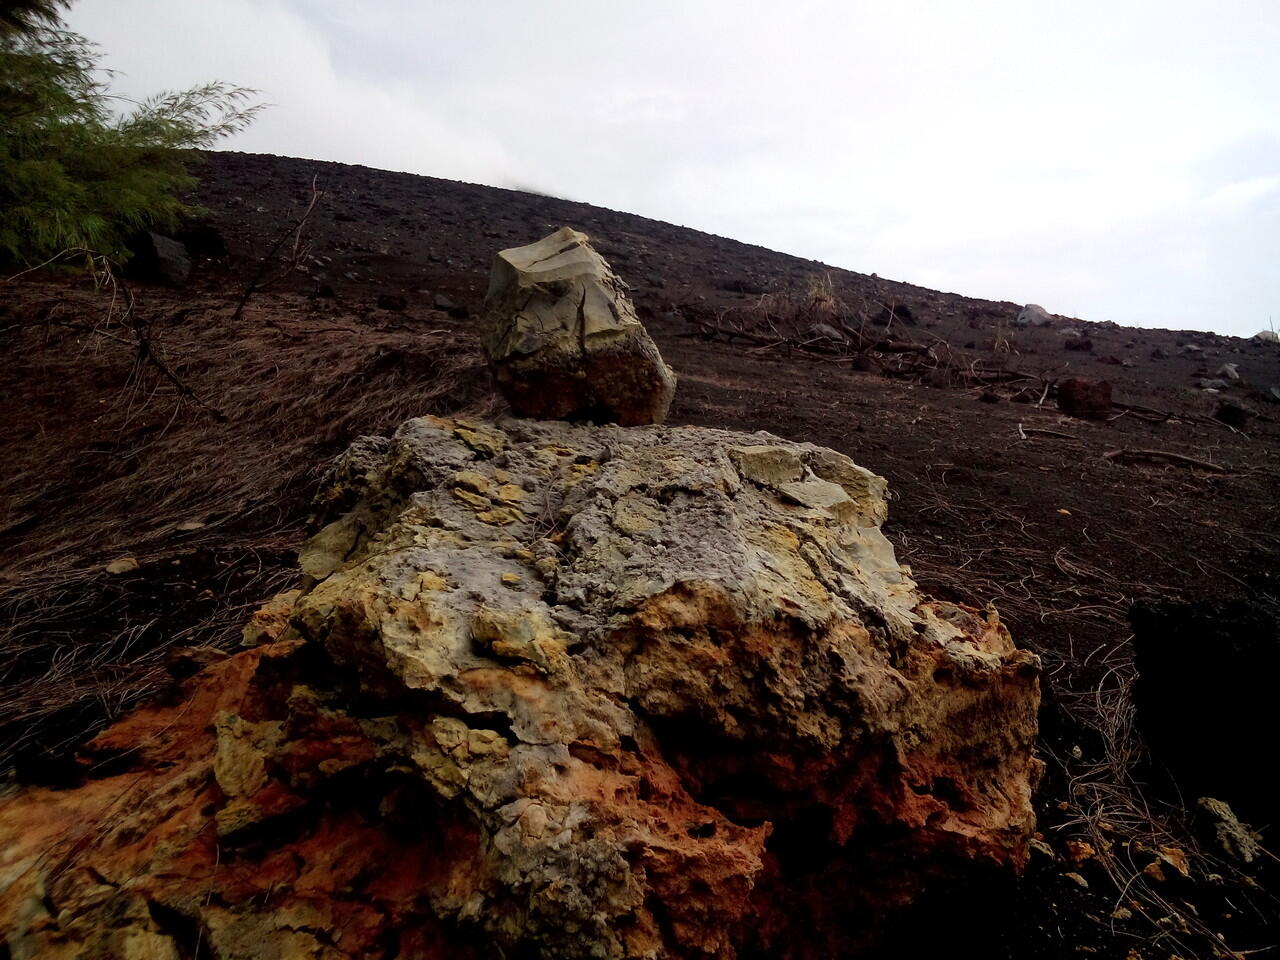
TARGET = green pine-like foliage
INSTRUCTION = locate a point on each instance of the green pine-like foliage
(77, 172)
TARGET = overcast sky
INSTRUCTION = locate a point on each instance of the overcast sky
(1109, 159)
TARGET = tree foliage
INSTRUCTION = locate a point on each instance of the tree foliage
(23, 16)
(80, 168)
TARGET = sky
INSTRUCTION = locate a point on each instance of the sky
(1114, 160)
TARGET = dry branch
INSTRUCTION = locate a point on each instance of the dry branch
(1126, 454)
(297, 252)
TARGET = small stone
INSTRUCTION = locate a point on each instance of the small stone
(1042, 849)
(122, 565)
(1121, 913)
(1078, 880)
(1219, 824)
(1079, 851)
(1175, 857)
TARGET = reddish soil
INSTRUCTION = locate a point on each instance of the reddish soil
(995, 500)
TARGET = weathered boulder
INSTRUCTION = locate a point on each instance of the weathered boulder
(1085, 398)
(1033, 315)
(564, 341)
(554, 691)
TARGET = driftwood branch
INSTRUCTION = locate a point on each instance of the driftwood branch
(1125, 454)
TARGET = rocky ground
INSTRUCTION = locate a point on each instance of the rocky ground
(182, 444)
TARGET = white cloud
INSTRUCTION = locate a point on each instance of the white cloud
(1116, 160)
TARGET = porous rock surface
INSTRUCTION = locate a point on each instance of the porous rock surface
(563, 339)
(553, 691)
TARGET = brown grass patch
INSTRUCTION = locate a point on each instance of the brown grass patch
(105, 457)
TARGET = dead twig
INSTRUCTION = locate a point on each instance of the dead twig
(1044, 432)
(1127, 454)
(297, 252)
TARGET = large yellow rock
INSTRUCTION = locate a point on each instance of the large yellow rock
(681, 701)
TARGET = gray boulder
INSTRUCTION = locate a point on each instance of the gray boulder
(564, 341)
(1033, 315)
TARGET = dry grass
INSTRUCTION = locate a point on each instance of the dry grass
(1110, 807)
(106, 456)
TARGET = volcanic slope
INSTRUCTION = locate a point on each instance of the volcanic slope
(202, 470)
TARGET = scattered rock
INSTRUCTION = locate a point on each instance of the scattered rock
(122, 565)
(442, 301)
(1085, 398)
(1158, 354)
(1228, 371)
(1077, 879)
(1176, 858)
(1267, 336)
(1033, 315)
(557, 691)
(1042, 849)
(391, 301)
(1220, 826)
(1078, 851)
(1191, 348)
(1082, 344)
(1212, 384)
(159, 259)
(564, 341)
